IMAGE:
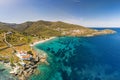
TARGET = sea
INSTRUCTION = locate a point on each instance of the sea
(80, 58)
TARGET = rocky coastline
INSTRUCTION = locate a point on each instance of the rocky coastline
(101, 32)
(23, 72)
(27, 70)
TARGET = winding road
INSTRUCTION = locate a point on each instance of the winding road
(9, 45)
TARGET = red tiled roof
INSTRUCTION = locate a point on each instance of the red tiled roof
(27, 56)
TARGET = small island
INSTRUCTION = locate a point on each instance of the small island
(17, 43)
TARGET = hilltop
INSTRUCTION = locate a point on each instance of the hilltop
(48, 29)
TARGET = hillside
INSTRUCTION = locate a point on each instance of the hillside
(45, 29)
(28, 31)
(48, 29)
(5, 27)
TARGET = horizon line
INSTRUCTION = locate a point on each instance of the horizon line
(59, 21)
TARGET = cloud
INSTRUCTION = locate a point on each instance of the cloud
(77, 1)
(8, 2)
(93, 22)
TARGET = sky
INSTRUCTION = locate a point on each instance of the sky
(89, 13)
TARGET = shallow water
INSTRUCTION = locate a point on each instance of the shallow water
(77, 58)
(4, 73)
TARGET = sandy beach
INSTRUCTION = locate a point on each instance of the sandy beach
(42, 41)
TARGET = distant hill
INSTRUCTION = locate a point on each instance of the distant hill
(40, 28)
(23, 26)
(5, 27)
(47, 28)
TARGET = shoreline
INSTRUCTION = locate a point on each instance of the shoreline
(41, 41)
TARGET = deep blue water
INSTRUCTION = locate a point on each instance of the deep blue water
(81, 58)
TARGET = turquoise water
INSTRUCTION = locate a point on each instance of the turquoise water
(80, 58)
(4, 73)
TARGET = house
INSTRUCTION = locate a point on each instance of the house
(23, 55)
(27, 57)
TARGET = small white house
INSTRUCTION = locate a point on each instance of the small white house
(23, 55)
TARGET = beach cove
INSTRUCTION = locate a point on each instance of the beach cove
(41, 41)
(80, 58)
